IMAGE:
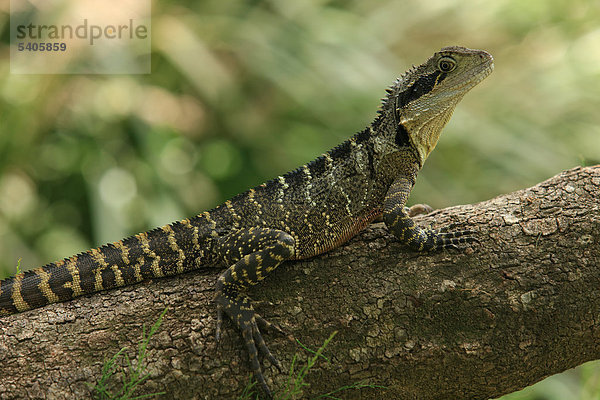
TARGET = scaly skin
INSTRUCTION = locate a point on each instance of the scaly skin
(303, 213)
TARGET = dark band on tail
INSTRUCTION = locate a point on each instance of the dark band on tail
(154, 254)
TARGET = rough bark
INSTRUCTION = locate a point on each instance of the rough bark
(477, 323)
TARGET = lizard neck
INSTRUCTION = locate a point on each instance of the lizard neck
(425, 133)
(394, 152)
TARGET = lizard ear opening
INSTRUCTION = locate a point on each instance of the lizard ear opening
(446, 64)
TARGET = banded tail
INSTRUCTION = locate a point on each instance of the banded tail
(170, 250)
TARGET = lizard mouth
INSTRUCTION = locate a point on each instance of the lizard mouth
(481, 71)
(473, 76)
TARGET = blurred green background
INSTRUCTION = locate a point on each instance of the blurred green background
(243, 91)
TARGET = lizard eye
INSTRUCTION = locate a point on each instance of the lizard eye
(446, 64)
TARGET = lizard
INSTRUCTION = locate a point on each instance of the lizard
(303, 213)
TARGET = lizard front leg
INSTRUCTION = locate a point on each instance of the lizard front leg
(404, 228)
(252, 254)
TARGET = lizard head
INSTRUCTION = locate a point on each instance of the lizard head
(422, 100)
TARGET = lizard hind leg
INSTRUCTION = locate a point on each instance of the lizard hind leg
(252, 253)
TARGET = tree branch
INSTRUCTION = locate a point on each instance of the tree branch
(487, 320)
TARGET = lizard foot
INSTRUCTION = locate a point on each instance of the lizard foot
(427, 239)
(451, 239)
(249, 323)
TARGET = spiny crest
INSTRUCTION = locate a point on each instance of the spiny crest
(401, 83)
(454, 70)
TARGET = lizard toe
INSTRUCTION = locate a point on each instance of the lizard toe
(264, 325)
(249, 333)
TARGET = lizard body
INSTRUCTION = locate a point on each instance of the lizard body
(303, 213)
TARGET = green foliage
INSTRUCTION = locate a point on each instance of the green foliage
(250, 390)
(582, 383)
(130, 373)
(296, 381)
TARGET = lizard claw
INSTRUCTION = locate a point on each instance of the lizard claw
(266, 325)
(249, 323)
(253, 339)
(219, 322)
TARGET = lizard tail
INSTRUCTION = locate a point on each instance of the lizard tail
(152, 254)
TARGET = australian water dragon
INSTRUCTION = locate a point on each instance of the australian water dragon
(305, 212)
